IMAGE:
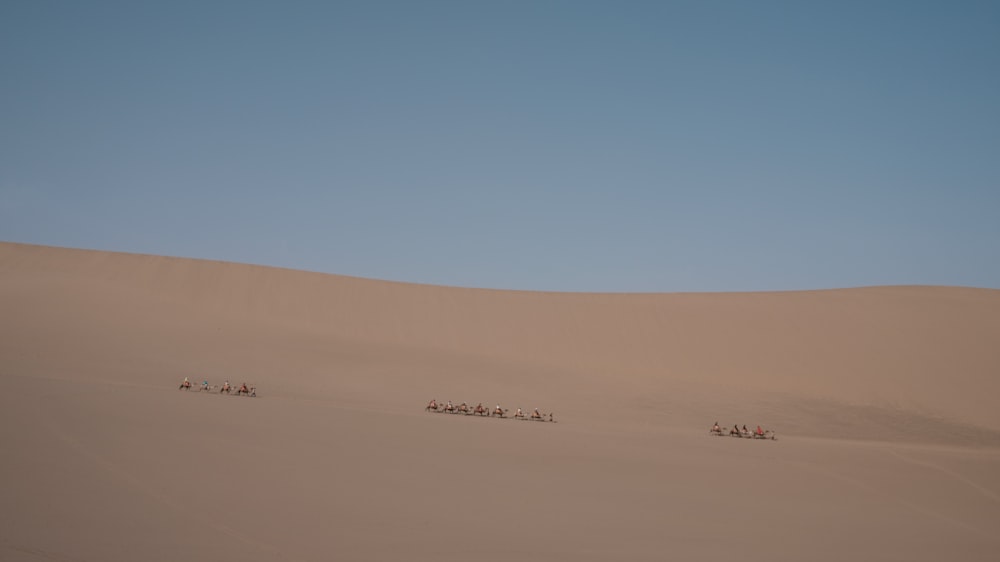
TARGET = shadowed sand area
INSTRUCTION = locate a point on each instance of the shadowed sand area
(884, 400)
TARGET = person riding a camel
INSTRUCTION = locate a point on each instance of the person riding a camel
(519, 413)
(535, 415)
(450, 407)
(186, 383)
(432, 405)
(498, 410)
(204, 385)
(760, 431)
(243, 389)
(716, 428)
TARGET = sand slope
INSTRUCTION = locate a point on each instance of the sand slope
(884, 399)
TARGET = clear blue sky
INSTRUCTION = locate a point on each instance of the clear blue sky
(568, 146)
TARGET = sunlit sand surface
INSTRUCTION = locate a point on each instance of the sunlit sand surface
(883, 400)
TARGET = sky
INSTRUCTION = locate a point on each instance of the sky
(540, 145)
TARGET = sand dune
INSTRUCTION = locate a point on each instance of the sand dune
(884, 400)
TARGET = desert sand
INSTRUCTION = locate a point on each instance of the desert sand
(884, 400)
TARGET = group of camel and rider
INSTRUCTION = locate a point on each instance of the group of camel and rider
(464, 408)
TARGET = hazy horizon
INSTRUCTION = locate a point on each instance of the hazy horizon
(506, 289)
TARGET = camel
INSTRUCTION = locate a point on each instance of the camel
(537, 416)
(185, 385)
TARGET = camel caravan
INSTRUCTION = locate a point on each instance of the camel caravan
(743, 433)
(482, 411)
(226, 388)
